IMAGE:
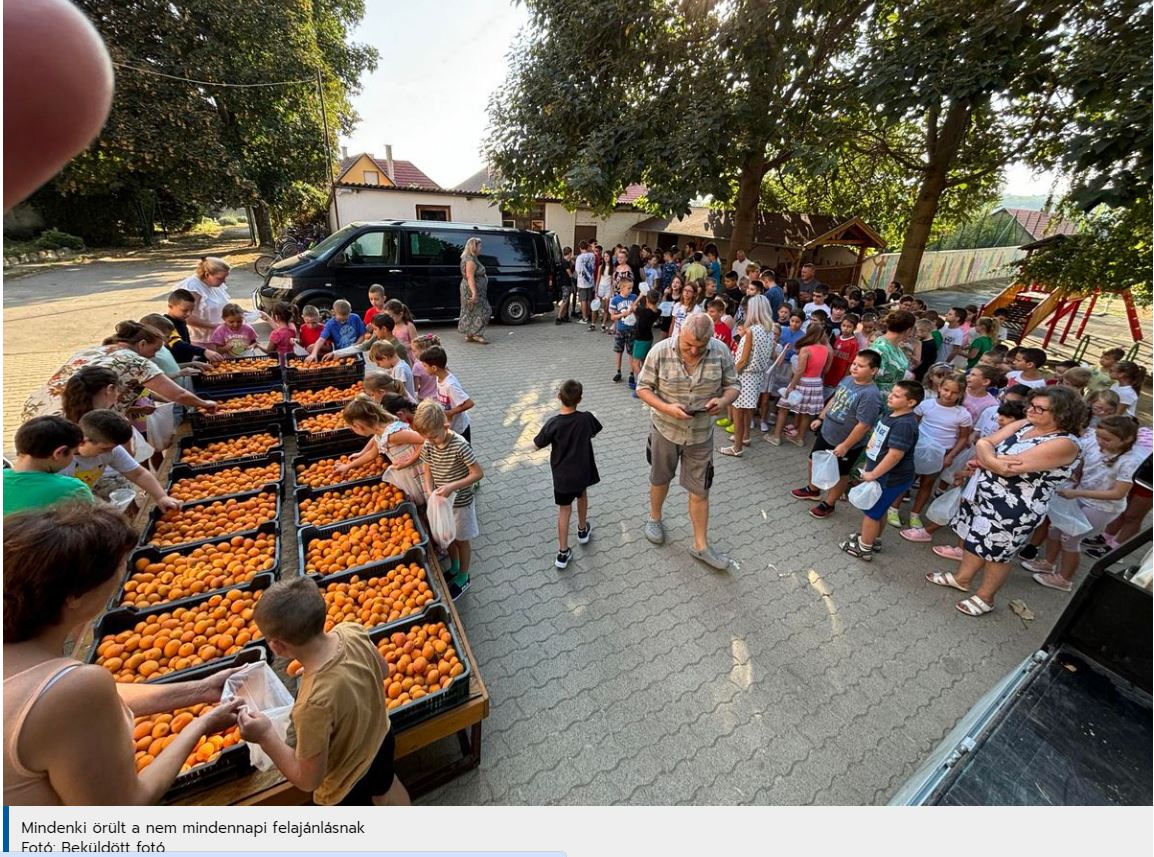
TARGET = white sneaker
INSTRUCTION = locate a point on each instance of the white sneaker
(764, 426)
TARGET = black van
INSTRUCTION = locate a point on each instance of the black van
(419, 263)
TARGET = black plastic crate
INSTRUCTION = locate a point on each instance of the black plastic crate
(292, 389)
(156, 514)
(234, 762)
(333, 450)
(207, 437)
(295, 377)
(313, 439)
(152, 554)
(416, 555)
(457, 693)
(121, 619)
(308, 535)
(304, 492)
(183, 471)
(267, 416)
(239, 379)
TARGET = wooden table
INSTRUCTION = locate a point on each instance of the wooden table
(464, 721)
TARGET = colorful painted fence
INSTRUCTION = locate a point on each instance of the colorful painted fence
(944, 268)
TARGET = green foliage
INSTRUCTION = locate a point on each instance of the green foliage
(1111, 252)
(212, 146)
(54, 239)
(227, 220)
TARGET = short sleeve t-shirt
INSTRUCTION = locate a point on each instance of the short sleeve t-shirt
(894, 364)
(449, 463)
(1127, 397)
(1015, 377)
(1101, 472)
(940, 424)
(952, 337)
(570, 437)
(342, 334)
(844, 351)
(851, 403)
(893, 433)
(987, 422)
(310, 334)
(621, 303)
(977, 405)
(24, 490)
(234, 342)
(89, 469)
(341, 708)
(646, 317)
(404, 373)
(586, 266)
(451, 394)
(983, 344)
(281, 339)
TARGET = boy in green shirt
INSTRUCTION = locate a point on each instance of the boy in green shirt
(44, 446)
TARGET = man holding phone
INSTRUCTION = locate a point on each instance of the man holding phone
(688, 380)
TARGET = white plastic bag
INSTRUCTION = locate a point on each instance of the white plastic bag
(141, 449)
(865, 495)
(791, 399)
(945, 506)
(298, 351)
(928, 457)
(160, 426)
(1066, 515)
(595, 304)
(666, 308)
(261, 691)
(825, 472)
(442, 524)
(408, 479)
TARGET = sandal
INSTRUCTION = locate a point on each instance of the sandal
(797, 441)
(945, 578)
(974, 606)
(773, 440)
(730, 451)
(1053, 580)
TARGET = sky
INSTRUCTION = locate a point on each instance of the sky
(439, 63)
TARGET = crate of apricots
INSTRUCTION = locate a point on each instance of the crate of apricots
(317, 396)
(210, 519)
(359, 544)
(299, 370)
(381, 596)
(214, 759)
(146, 646)
(322, 425)
(224, 480)
(172, 577)
(320, 507)
(203, 451)
(243, 409)
(428, 670)
(317, 470)
(238, 372)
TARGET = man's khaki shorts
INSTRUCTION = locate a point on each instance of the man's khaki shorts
(696, 462)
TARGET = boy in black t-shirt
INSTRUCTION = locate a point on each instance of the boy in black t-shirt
(646, 312)
(890, 463)
(571, 434)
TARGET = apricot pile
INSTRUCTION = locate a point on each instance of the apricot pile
(327, 395)
(320, 474)
(332, 421)
(350, 503)
(378, 600)
(421, 661)
(299, 364)
(202, 569)
(151, 733)
(180, 639)
(361, 545)
(250, 402)
(213, 452)
(207, 521)
(243, 366)
(232, 480)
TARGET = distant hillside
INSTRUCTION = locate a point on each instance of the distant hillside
(1033, 203)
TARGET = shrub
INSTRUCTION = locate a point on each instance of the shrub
(54, 239)
(226, 220)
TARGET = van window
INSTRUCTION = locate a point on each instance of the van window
(508, 250)
(373, 248)
(436, 247)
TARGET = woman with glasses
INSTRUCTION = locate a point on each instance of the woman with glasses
(208, 289)
(1018, 470)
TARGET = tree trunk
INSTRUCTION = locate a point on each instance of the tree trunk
(942, 151)
(263, 221)
(748, 199)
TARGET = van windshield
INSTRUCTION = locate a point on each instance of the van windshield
(335, 240)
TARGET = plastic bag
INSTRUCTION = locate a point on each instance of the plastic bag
(595, 304)
(865, 495)
(1066, 515)
(408, 479)
(945, 506)
(298, 351)
(666, 308)
(825, 473)
(160, 426)
(261, 691)
(791, 399)
(442, 524)
(141, 450)
(928, 457)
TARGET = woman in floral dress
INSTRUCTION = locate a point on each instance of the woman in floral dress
(475, 308)
(1018, 469)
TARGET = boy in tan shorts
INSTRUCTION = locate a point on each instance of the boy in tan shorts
(344, 746)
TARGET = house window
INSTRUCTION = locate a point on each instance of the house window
(533, 218)
(441, 213)
(372, 177)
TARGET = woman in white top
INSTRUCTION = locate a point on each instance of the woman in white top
(1128, 380)
(684, 307)
(208, 287)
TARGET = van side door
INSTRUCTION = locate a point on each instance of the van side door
(432, 263)
(371, 257)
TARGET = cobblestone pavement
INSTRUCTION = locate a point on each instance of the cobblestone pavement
(640, 676)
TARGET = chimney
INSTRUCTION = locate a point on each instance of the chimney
(389, 163)
(344, 153)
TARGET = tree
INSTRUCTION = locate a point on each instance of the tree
(169, 141)
(691, 98)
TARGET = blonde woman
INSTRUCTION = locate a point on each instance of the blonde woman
(209, 291)
(754, 356)
(475, 309)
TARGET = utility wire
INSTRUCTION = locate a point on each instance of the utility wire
(211, 83)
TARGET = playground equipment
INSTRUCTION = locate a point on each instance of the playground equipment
(1029, 305)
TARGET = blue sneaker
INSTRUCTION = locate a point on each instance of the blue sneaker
(457, 589)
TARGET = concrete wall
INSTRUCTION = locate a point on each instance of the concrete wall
(944, 268)
(617, 228)
(363, 204)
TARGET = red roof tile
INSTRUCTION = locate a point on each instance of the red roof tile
(1041, 224)
(405, 173)
(632, 194)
